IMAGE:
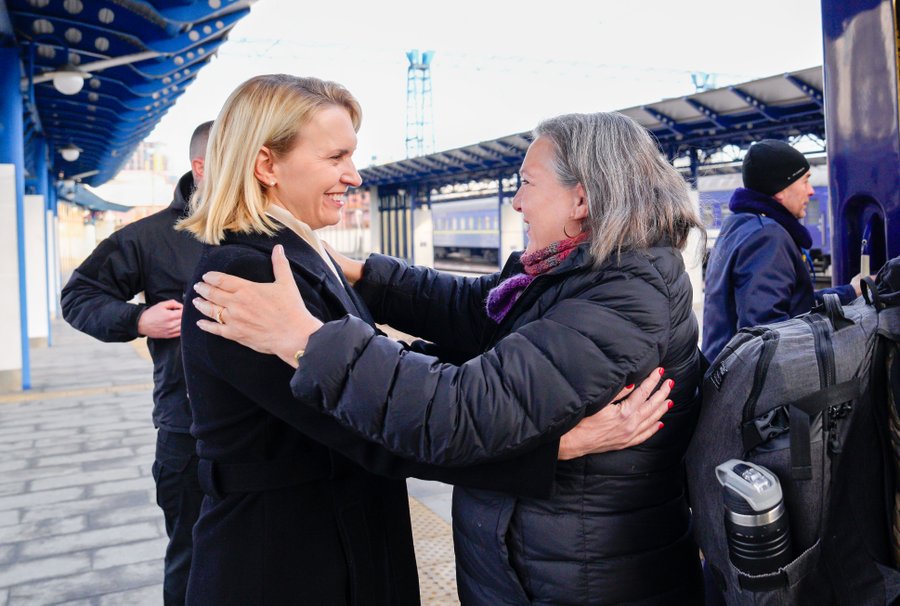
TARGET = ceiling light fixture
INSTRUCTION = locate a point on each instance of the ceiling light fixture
(69, 80)
(70, 152)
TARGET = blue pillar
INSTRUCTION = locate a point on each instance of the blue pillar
(43, 189)
(12, 151)
(862, 127)
(55, 280)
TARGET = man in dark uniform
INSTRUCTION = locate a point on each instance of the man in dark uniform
(149, 256)
(760, 270)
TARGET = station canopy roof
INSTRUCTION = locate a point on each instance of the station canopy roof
(76, 193)
(780, 107)
(141, 56)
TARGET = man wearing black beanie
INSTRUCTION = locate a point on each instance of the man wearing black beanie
(760, 270)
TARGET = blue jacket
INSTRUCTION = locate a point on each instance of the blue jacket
(756, 275)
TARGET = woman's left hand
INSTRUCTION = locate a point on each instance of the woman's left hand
(623, 425)
(270, 318)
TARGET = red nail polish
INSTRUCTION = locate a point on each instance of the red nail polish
(661, 424)
(629, 386)
(662, 371)
(671, 404)
(671, 383)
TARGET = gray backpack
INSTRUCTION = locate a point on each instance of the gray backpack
(805, 399)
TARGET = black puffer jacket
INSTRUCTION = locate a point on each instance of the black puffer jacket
(617, 529)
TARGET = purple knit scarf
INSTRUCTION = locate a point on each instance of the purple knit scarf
(502, 297)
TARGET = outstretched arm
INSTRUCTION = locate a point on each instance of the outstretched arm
(271, 318)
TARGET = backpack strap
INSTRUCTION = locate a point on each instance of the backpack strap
(835, 311)
(765, 427)
(801, 412)
(796, 417)
(870, 293)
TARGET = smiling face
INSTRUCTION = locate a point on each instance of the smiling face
(795, 196)
(311, 180)
(546, 204)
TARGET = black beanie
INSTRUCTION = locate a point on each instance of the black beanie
(771, 165)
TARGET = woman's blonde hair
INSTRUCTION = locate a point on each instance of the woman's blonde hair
(265, 111)
(635, 198)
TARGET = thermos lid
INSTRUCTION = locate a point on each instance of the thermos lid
(758, 486)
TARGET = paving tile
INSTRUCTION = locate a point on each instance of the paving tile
(143, 484)
(15, 441)
(144, 596)
(81, 478)
(36, 473)
(125, 515)
(90, 539)
(7, 555)
(88, 584)
(83, 457)
(114, 502)
(9, 429)
(53, 449)
(40, 529)
(8, 488)
(18, 573)
(12, 465)
(116, 426)
(40, 498)
(130, 553)
(9, 517)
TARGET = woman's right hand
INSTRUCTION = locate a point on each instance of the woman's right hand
(623, 425)
(352, 269)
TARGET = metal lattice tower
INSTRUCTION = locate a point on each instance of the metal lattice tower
(703, 81)
(419, 112)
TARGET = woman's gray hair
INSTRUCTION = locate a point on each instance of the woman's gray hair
(635, 198)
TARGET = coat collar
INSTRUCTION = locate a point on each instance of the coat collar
(305, 262)
(183, 192)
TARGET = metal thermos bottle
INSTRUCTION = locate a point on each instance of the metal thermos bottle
(756, 521)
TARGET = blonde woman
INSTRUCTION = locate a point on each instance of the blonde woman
(285, 519)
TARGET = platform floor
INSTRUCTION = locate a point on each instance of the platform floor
(78, 518)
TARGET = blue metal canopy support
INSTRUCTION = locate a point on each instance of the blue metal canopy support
(12, 283)
(863, 132)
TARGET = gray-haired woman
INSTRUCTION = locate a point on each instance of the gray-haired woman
(598, 299)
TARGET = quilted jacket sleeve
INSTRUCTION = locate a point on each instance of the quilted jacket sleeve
(535, 384)
(440, 307)
(95, 300)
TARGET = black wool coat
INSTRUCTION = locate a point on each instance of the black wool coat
(286, 519)
(617, 526)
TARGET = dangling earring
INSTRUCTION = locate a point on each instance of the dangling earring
(580, 229)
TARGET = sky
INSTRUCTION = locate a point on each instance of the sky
(499, 67)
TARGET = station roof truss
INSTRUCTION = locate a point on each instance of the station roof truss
(786, 106)
(141, 56)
